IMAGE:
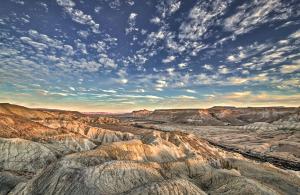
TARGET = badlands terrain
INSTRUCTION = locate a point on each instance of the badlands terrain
(222, 150)
(268, 134)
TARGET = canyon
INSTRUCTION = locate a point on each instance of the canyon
(221, 150)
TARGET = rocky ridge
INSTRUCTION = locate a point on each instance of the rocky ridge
(220, 116)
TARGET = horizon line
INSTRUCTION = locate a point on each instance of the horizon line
(114, 112)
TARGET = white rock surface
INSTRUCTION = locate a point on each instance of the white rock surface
(23, 155)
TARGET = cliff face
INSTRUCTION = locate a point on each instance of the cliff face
(225, 115)
(141, 113)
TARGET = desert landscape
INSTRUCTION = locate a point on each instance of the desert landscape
(207, 151)
(149, 97)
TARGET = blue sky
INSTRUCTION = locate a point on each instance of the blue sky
(121, 55)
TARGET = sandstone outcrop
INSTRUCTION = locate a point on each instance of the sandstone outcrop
(140, 113)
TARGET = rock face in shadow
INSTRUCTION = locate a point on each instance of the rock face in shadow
(8, 181)
(82, 157)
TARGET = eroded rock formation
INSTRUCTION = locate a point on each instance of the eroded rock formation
(80, 156)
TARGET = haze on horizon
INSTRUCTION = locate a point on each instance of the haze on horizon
(124, 55)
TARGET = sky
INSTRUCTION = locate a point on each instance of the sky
(123, 55)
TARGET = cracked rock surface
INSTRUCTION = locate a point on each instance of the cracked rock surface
(23, 155)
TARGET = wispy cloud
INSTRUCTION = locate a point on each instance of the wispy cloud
(251, 15)
(191, 91)
(169, 59)
(286, 69)
(131, 23)
(78, 15)
(202, 16)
